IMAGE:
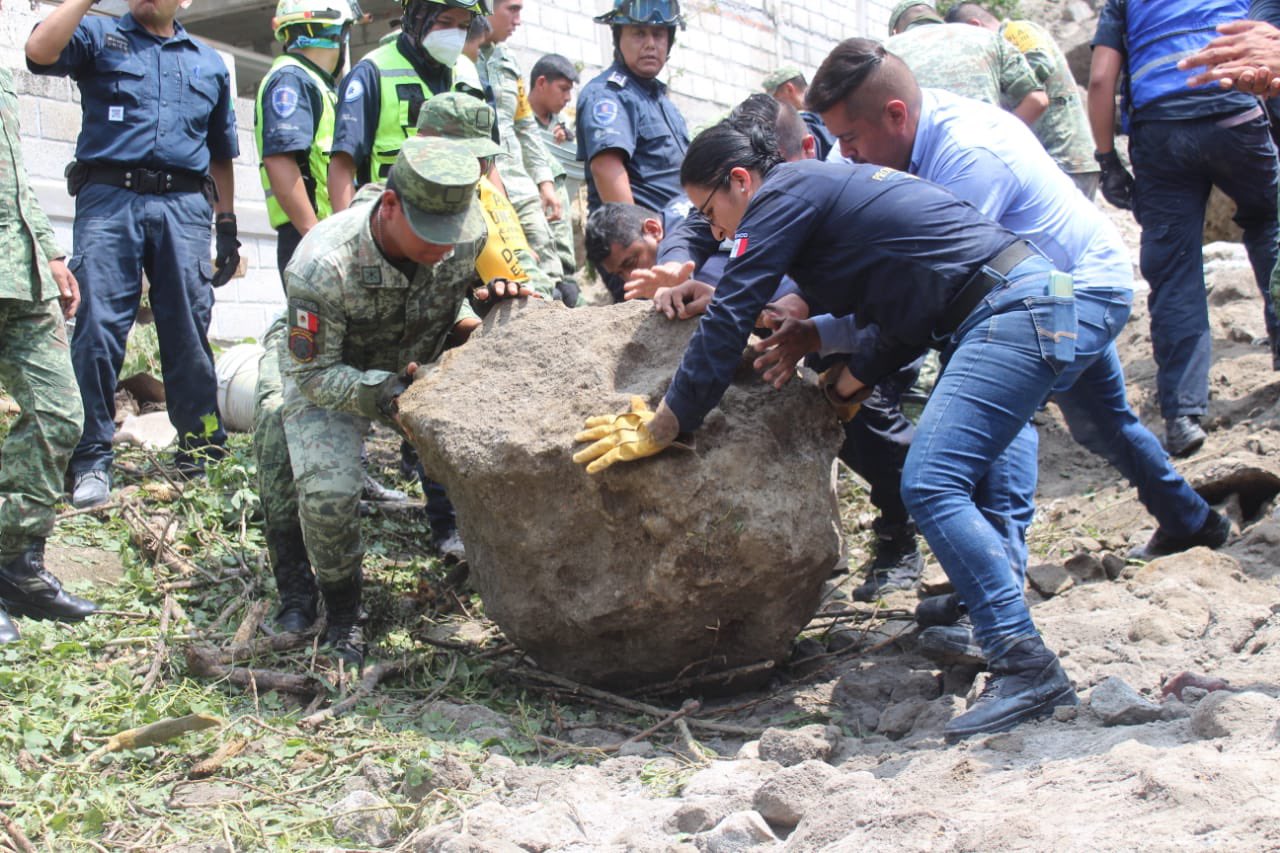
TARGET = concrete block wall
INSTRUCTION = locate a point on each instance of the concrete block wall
(720, 58)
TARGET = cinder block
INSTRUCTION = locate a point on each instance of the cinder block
(54, 88)
(59, 120)
(46, 158)
(29, 116)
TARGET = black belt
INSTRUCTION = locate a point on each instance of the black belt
(145, 181)
(982, 283)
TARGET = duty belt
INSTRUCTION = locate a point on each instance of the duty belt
(144, 181)
(982, 283)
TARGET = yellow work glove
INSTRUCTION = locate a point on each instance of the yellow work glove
(618, 438)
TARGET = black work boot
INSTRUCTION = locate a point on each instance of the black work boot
(295, 582)
(27, 589)
(8, 631)
(943, 609)
(1026, 683)
(952, 645)
(344, 635)
(897, 563)
(1212, 534)
(1183, 435)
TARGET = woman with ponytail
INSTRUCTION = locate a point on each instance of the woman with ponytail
(919, 268)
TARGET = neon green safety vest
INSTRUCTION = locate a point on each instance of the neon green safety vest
(401, 95)
(315, 170)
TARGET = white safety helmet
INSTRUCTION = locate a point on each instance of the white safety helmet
(325, 13)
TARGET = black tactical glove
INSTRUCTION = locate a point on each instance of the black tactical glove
(1117, 183)
(228, 260)
(389, 393)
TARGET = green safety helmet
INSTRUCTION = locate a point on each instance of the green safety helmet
(644, 13)
(324, 13)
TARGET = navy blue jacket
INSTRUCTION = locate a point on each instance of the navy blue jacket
(865, 240)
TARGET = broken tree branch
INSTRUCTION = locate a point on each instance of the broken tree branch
(373, 676)
(212, 764)
(20, 841)
(203, 663)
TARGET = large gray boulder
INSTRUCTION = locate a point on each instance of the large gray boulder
(703, 558)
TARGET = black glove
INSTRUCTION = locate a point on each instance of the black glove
(1117, 183)
(228, 260)
(389, 393)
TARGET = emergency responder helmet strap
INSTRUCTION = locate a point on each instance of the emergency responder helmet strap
(318, 13)
(644, 12)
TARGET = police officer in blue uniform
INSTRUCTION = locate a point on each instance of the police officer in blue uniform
(1182, 143)
(155, 150)
(918, 267)
(630, 134)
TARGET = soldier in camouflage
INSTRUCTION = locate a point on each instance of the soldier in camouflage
(964, 61)
(373, 292)
(525, 165)
(1064, 128)
(35, 369)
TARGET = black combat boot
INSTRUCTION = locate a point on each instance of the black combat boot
(1026, 683)
(27, 589)
(1212, 534)
(897, 564)
(8, 631)
(295, 582)
(943, 609)
(952, 645)
(344, 635)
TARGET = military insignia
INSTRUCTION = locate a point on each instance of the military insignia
(605, 112)
(740, 241)
(370, 275)
(355, 91)
(284, 102)
(618, 79)
(304, 332)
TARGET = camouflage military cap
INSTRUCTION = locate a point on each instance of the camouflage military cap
(779, 76)
(435, 180)
(905, 6)
(461, 117)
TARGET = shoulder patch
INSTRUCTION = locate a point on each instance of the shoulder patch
(618, 79)
(304, 333)
(740, 241)
(284, 101)
(354, 91)
(605, 112)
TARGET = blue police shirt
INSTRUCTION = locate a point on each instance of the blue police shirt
(686, 236)
(291, 103)
(1193, 103)
(620, 111)
(992, 160)
(360, 102)
(145, 100)
(862, 240)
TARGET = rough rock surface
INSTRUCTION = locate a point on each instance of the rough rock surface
(1118, 704)
(789, 795)
(792, 746)
(365, 818)
(699, 559)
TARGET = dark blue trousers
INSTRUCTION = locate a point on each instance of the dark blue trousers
(119, 234)
(876, 443)
(1175, 164)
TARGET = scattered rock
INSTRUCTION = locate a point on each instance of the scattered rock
(1236, 715)
(692, 818)
(1176, 685)
(379, 777)
(788, 796)
(364, 818)
(739, 831)
(474, 722)
(446, 772)
(1117, 704)
(792, 746)
(1049, 579)
(197, 794)
(1113, 565)
(443, 839)
(1172, 709)
(592, 737)
(636, 747)
(918, 684)
(1085, 567)
(1066, 713)
(897, 719)
(603, 577)
(929, 722)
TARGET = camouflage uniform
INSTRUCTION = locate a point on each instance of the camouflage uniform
(1064, 127)
(35, 360)
(562, 230)
(271, 448)
(355, 322)
(968, 61)
(525, 163)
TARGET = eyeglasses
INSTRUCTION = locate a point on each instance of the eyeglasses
(702, 208)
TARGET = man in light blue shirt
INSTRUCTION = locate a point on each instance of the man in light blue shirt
(872, 104)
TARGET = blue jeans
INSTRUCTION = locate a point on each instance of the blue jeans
(118, 235)
(974, 450)
(1175, 164)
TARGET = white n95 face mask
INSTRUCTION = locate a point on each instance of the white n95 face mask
(444, 46)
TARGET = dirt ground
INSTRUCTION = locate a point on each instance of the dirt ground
(1133, 768)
